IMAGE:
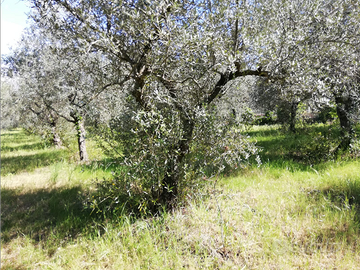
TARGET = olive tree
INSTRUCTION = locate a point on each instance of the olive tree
(314, 45)
(176, 57)
(334, 47)
(21, 106)
(10, 106)
(58, 83)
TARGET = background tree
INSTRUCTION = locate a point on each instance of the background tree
(314, 46)
(57, 82)
(10, 104)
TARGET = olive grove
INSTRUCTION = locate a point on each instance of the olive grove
(172, 57)
(173, 63)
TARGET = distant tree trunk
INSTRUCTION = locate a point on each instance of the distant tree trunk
(80, 129)
(293, 111)
(56, 137)
(344, 106)
(81, 140)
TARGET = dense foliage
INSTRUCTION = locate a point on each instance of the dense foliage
(150, 78)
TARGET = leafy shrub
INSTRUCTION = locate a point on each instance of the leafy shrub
(267, 119)
(328, 113)
(247, 117)
(355, 146)
(218, 147)
(319, 147)
(150, 139)
(121, 195)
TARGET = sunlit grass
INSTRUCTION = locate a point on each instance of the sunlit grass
(281, 215)
(21, 152)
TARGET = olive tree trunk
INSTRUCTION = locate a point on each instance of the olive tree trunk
(56, 137)
(174, 170)
(80, 129)
(293, 111)
(344, 106)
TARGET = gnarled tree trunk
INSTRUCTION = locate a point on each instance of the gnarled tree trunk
(174, 170)
(344, 106)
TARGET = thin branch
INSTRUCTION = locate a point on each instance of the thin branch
(108, 85)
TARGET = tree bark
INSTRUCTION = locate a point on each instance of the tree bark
(174, 170)
(80, 128)
(344, 106)
(293, 111)
(56, 137)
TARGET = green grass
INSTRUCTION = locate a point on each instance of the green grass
(21, 152)
(285, 214)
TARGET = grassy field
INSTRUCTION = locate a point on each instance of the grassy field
(289, 213)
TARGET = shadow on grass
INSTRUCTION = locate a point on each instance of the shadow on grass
(308, 147)
(43, 215)
(33, 146)
(343, 197)
(106, 165)
(28, 163)
(346, 195)
(18, 135)
(275, 152)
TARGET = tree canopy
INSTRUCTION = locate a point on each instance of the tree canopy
(173, 60)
